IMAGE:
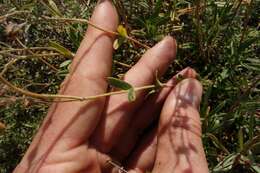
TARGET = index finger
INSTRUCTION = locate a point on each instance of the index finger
(68, 125)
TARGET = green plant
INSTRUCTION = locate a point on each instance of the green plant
(220, 39)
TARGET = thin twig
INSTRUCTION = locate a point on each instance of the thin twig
(4, 44)
(122, 64)
(95, 26)
(40, 58)
(80, 21)
(120, 168)
(52, 49)
(26, 49)
(11, 14)
(138, 42)
(68, 97)
(9, 64)
(32, 56)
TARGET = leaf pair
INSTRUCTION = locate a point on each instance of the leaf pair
(122, 32)
(117, 83)
(61, 49)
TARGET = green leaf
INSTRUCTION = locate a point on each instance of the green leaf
(131, 95)
(118, 42)
(54, 8)
(255, 167)
(217, 142)
(62, 50)
(226, 164)
(240, 139)
(117, 83)
(122, 31)
(251, 144)
(252, 64)
(247, 43)
(65, 63)
(188, 45)
(157, 8)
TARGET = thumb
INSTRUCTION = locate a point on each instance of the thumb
(180, 147)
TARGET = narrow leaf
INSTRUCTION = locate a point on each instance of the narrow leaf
(131, 95)
(54, 8)
(65, 63)
(117, 83)
(240, 140)
(116, 44)
(255, 167)
(62, 50)
(226, 164)
(251, 144)
(247, 43)
(217, 142)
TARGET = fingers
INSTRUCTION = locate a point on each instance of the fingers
(104, 16)
(119, 110)
(69, 124)
(179, 137)
(91, 67)
(148, 113)
(143, 157)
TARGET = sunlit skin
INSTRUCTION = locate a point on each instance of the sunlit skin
(81, 137)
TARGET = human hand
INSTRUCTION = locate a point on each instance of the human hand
(81, 137)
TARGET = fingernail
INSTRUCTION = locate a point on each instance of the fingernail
(190, 92)
(168, 45)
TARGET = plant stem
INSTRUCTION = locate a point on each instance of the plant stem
(97, 27)
(122, 64)
(68, 97)
(40, 58)
(80, 21)
(26, 49)
(13, 13)
(31, 56)
(120, 168)
(49, 48)
(137, 42)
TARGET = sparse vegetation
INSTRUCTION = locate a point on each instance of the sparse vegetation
(220, 39)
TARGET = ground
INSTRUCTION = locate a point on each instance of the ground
(219, 39)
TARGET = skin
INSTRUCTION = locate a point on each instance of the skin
(80, 137)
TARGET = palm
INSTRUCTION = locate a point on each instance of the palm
(79, 137)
